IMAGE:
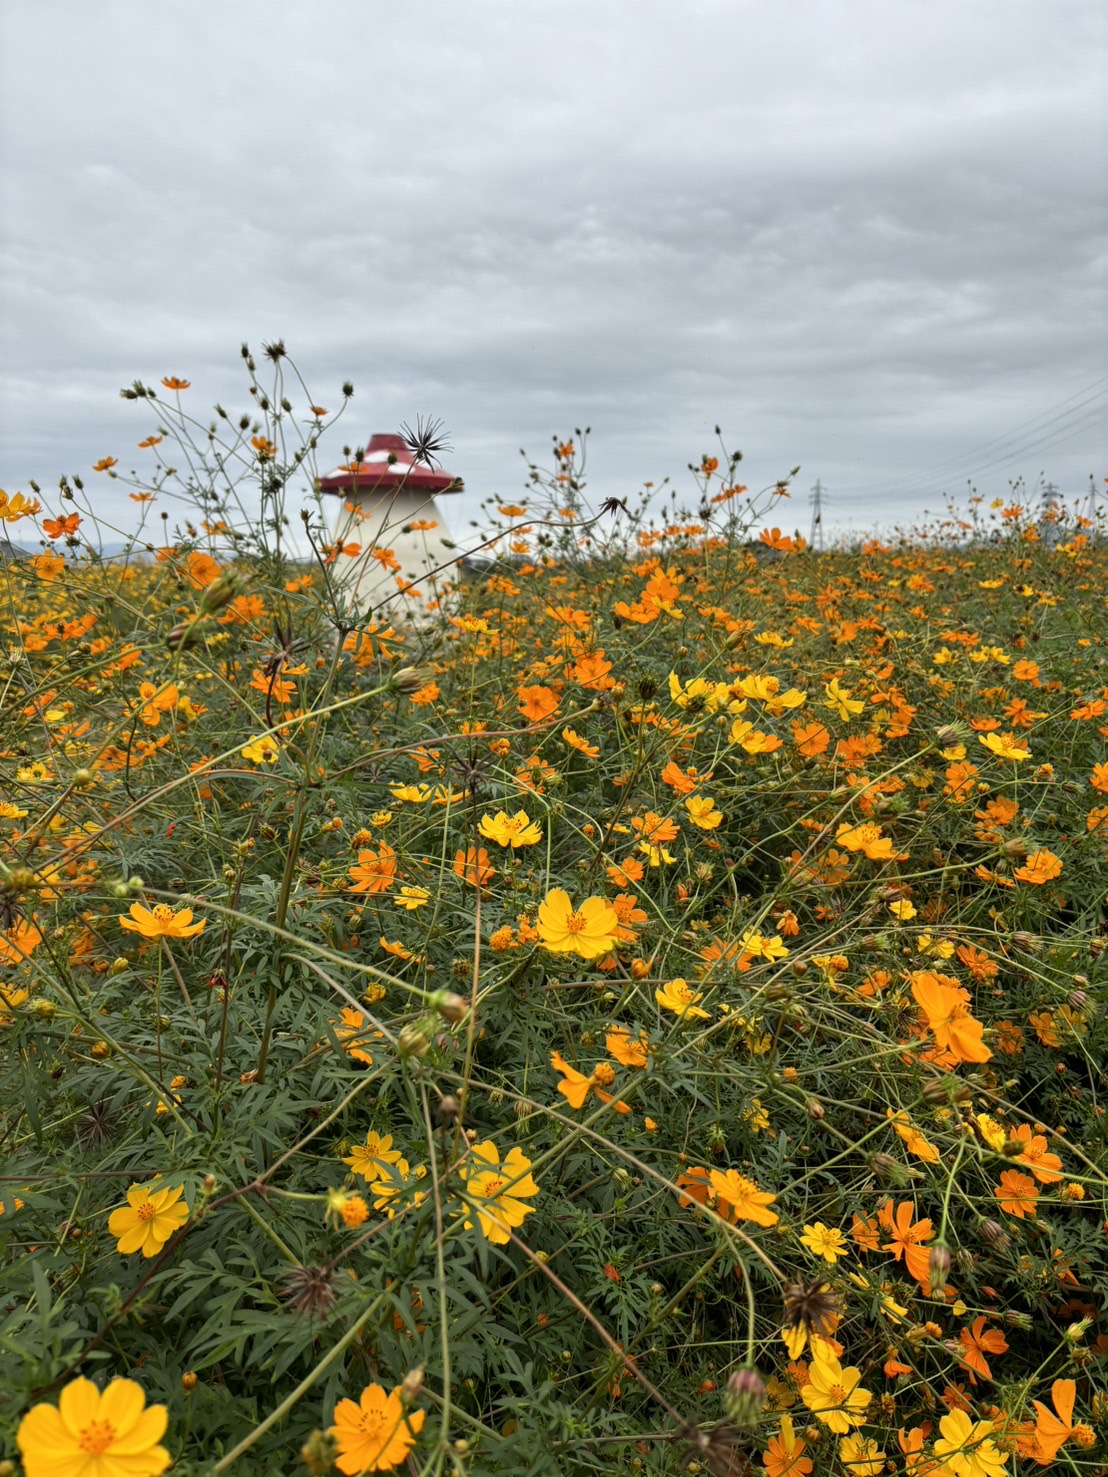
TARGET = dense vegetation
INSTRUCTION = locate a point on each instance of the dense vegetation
(644, 1014)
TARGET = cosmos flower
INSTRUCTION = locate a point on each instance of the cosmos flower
(374, 1434)
(89, 1434)
(162, 922)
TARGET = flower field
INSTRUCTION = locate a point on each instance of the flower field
(643, 1014)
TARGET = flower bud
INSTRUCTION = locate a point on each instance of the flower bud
(450, 1006)
(411, 1386)
(43, 1010)
(413, 1041)
(1015, 1318)
(744, 1397)
(815, 1109)
(410, 679)
(219, 594)
(994, 1234)
(119, 966)
(938, 1265)
(188, 1381)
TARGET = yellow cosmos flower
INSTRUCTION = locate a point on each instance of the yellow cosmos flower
(505, 830)
(678, 996)
(369, 1161)
(702, 812)
(161, 922)
(759, 947)
(590, 931)
(824, 1241)
(412, 898)
(832, 1393)
(148, 1220)
(495, 1192)
(94, 1434)
(262, 750)
(838, 699)
(965, 1450)
(861, 1457)
(374, 1434)
(1003, 748)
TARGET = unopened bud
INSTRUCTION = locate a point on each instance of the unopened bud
(1078, 999)
(410, 679)
(938, 1265)
(185, 634)
(449, 1108)
(219, 594)
(815, 1109)
(188, 1380)
(119, 966)
(413, 1041)
(318, 1453)
(411, 1386)
(994, 1234)
(43, 1010)
(743, 1398)
(1077, 1331)
(1015, 1318)
(450, 1006)
(946, 1090)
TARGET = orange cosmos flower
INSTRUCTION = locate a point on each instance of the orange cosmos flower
(908, 1237)
(473, 866)
(1051, 1431)
(946, 1007)
(627, 1050)
(162, 922)
(1017, 1194)
(1041, 866)
(59, 527)
(575, 1086)
(740, 1199)
(977, 1341)
(1044, 1165)
(375, 871)
(374, 1435)
(537, 703)
(784, 1456)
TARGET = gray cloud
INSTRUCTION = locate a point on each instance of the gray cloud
(869, 239)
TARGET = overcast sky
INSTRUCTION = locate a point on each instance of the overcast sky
(867, 237)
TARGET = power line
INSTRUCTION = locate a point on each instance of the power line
(1034, 435)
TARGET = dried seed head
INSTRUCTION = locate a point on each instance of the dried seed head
(810, 1305)
(310, 1290)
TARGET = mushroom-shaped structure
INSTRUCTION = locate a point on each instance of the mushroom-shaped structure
(389, 509)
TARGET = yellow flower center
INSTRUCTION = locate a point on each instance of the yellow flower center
(162, 913)
(146, 1212)
(492, 1187)
(577, 923)
(603, 1074)
(97, 1436)
(837, 1394)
